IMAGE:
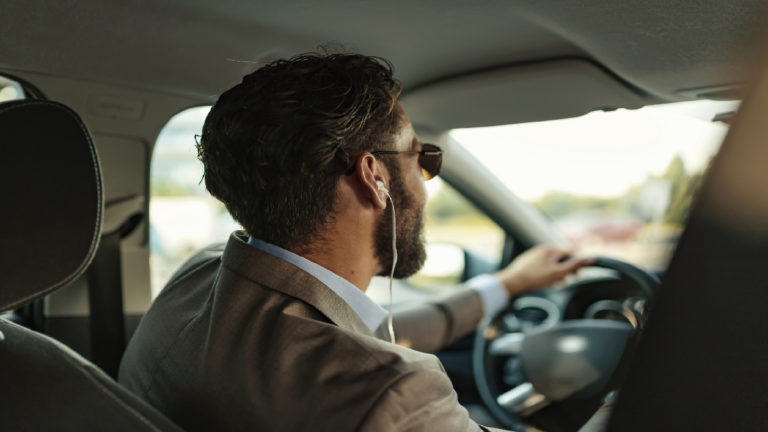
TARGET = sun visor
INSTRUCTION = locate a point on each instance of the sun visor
(518, 94)
(51, 190)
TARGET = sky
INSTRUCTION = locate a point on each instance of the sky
(601, 153)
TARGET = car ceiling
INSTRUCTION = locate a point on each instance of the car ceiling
(656, 47)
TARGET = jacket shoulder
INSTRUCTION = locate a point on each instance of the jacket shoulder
(207, 255)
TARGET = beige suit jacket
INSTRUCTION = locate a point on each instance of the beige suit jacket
(247, 341)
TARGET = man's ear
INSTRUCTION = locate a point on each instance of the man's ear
(368, 171)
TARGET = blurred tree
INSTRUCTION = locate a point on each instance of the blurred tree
(680, 206)
(684, 187)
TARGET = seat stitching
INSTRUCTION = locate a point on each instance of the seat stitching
(100, 207)
(94, 246)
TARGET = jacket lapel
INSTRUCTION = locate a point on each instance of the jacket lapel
(266, 269)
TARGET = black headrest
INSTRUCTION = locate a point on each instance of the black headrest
(52, 199)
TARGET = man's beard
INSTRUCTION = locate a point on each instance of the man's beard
(411, 253)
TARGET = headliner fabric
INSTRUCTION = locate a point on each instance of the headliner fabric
(51, 190)
(187, 46)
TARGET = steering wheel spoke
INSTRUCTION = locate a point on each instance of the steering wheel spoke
(520, 398)
(509, 344)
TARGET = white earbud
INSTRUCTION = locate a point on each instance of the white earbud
(380, 186)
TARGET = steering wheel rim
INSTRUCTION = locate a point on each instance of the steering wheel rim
(647, 282)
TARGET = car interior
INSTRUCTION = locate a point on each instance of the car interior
(90, 92)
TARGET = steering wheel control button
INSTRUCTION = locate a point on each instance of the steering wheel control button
(513, 371)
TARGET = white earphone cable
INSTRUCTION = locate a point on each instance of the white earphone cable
(394, 263)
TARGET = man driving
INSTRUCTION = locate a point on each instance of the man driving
(318, 162)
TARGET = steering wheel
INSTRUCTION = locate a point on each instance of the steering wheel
(558, 360)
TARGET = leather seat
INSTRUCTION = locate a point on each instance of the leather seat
(50, 225)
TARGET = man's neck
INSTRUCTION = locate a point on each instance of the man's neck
(346, 255)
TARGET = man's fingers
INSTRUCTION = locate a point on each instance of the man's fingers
(572, 265)
(560, 254)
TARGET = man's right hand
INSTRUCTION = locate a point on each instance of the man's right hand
(539, 267)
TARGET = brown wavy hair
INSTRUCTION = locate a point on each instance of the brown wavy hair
(273, 146)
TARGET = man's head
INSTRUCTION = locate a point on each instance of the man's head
(275, 148)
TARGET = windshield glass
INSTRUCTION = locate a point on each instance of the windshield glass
(617, 184)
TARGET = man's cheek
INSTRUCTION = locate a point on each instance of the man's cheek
(424, 195)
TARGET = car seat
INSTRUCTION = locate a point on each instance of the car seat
(52, 210)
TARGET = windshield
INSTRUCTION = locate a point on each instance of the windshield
(617, 184)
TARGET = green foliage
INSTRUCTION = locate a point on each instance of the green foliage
(677, 212)
(684, 188)
(682, 200)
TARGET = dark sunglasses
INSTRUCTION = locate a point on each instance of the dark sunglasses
(430, 160)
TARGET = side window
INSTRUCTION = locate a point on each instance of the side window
(183, 216)
(455, 229)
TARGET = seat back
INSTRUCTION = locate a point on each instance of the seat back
(52, 200)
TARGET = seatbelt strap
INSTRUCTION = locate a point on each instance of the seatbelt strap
(105, 295)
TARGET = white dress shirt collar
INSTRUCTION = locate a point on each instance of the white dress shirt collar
(369, 312)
